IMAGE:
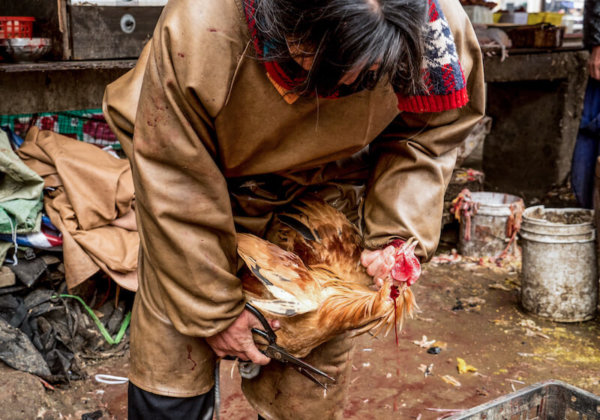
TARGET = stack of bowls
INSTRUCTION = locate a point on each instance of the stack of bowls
(17, 42)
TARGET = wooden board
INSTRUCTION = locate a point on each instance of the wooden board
(64, 29)
(48, 66)
(52, 87)
(96, 31)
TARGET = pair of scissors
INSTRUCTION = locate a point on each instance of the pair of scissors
(281, 355)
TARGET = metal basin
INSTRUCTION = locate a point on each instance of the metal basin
(25, 49)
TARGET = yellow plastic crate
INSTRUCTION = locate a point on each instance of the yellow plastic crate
(535, 18)
(544, 17)
(553, 18)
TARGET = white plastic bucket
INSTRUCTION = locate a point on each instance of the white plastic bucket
(488, 225)
(559, 275)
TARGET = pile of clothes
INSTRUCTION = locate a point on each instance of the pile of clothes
(60, 193)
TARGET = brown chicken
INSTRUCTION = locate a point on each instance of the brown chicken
(309, 277)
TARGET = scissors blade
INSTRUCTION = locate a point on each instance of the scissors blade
(310, 376)
(278, 353)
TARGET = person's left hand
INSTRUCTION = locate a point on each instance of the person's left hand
(594, 63)
(396, 261)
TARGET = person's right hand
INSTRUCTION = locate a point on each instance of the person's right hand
(237, 339)
(594, 63)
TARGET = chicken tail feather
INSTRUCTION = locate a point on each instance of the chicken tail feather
(353, 307)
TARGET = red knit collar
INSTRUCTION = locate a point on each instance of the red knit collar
(285, 80)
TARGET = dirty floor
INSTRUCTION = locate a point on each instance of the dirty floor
(467, 310)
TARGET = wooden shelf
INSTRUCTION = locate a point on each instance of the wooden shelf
(57, 85)
(491, 50)
(67, 66)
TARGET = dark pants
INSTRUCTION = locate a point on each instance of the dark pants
(587, 147)
(143, 405)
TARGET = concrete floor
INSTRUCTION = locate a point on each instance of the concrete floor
(509, 348)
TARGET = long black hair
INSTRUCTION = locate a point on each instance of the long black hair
(346, 35)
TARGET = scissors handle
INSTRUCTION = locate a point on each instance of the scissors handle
(268, 333)
(262, 334)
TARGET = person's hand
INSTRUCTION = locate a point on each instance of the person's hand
(379, 263)
(237, 339)
(594, 63)
(396, 261)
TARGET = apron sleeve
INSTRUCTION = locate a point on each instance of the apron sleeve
(188, 243)
(415, 156)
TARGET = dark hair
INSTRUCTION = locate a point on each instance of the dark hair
(345, 35)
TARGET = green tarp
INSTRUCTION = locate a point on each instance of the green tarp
(21, 192)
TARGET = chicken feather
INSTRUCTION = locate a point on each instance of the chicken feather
(283, 275)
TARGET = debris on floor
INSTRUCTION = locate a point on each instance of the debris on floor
(469, 304)
(463, 367)
(424, 343)
(426, 369)
(451, 380)
(510, 264)
(434, 350)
